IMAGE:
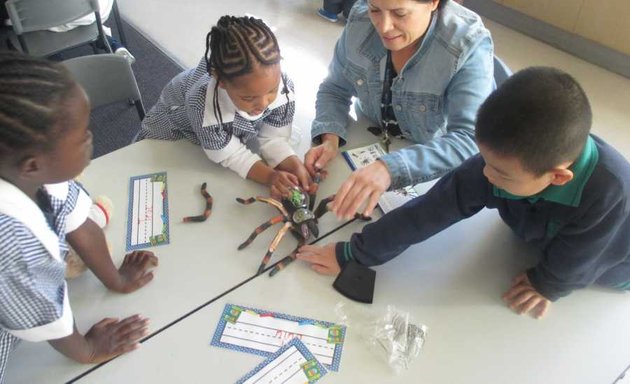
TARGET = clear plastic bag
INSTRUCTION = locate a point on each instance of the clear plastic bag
(394, 335)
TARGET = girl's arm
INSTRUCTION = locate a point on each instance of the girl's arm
(89, 242)
(105, 340)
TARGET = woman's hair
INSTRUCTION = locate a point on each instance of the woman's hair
(440, 5)
(31, 93)
(235, 47)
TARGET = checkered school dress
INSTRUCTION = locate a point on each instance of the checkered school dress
(185, 110)
(33, 295)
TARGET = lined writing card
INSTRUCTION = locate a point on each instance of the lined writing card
(262, 333)
(147, 223)
(291, 364)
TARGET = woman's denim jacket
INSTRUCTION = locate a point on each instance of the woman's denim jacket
(435, 96)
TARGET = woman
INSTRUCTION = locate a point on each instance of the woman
(437, 58)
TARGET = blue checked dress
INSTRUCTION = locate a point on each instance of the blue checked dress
(33, 294)
(185, 111)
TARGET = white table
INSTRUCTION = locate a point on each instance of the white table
(201, 261)
(452, 283)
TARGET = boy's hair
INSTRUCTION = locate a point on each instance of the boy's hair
(540, 115)
(31, 91)
(235, 46)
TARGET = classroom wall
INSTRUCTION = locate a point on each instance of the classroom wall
(602, 21)
(593, 30)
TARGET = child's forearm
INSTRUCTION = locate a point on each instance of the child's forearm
(89, 242)
(260, 173)
(74, 346)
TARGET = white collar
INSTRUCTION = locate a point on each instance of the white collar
(15, 203)
(229, 110)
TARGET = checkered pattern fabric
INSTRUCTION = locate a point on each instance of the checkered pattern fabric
(32, 285)
(179, 113)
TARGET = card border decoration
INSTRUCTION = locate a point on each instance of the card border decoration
(231, 312)
(162, 238)
(306, 353)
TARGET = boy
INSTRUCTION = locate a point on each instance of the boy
(556, 186)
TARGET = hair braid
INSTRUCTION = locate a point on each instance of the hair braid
(235, 46)
(30, 92)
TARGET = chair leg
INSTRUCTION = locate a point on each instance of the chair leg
(121, 31)
(140, 109)
(22, 44)
(101, 33)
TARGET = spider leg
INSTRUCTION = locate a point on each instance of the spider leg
(267, 200)
(261, 228)
(272, 246)
(287, 260)
(322, 207)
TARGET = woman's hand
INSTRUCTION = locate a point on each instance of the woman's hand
(364, 186)
(318, 157)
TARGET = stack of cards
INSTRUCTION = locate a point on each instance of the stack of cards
(297, 348)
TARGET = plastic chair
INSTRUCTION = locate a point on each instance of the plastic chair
(501, 71)
(121, 31)
(32, 18)
(106, 79)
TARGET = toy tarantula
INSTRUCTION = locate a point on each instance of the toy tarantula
(296, 212)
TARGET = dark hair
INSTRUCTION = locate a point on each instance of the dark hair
(31, 93)
(440, 5)
(540, 115)
(235, 46)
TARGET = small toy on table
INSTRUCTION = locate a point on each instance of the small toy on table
(298, 216)
(206, 213)
(100, 212)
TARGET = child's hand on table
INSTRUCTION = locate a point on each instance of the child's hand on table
(523, 298)
(111, 337)
(322, 259)
(135, 271)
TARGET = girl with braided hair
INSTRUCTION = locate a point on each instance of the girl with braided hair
(236, 94)
(44, 142)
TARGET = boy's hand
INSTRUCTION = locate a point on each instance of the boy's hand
(322, 259)
(292, 164)
(523, 298)
(134, 272)
(281, 183)
(111, 337)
